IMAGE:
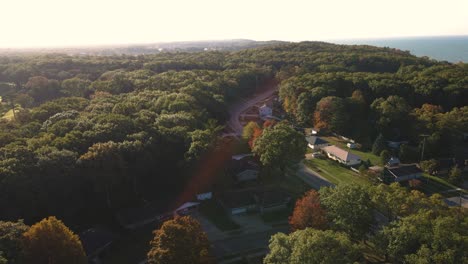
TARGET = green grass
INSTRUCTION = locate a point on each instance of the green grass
(9, 115)
(374, 159)
(216, 214)
(333, 172)
(432, 184)
(277, 215)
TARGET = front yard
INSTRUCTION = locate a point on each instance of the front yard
(333, 171)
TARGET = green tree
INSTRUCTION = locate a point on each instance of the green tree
(180, 240)
(11, 234)
(248, 130)
(379, 145)
(455, 175)
(51, 242)
(349, 209)
(312, 246)
(279, 146)
(429, 166)
(384, 156)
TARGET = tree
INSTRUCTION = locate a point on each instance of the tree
(427, 235)
(384, 156)
(429, 166)
(379, 145)
(51, 242)
(10, 240)
(249, 129)
(331, 114)
(455, 175)
(312, 246)
(308, 213)
(2, 259)
(180, 240)
(349, 208)
(279, 146)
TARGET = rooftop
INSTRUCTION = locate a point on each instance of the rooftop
(341, 153)
(313, 140)
(404, 170)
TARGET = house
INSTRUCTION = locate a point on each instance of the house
(204, 196)
(247, 175)
(402, 173)
(272, 200)
(239, 202)
(311, 131)
(316, 142)
(342, 156)
(396, 144)
(393, 161)
(244, 169)
(264, 111)
(186, 208)
(96, 243)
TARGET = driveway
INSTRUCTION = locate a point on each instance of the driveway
(311, 177)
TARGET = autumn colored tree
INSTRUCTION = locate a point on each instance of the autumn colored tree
(256, 133)
(51, 242)
(308, 213)
(249, 129)
(180, 241)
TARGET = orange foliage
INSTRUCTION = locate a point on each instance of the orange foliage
(308, 213)
(256, 133)
(269, 123)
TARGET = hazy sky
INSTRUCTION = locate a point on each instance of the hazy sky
(29, 23)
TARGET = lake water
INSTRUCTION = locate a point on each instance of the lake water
(452, 49)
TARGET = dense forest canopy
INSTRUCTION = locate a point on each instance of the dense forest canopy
(84, 135)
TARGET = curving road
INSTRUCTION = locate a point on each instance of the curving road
(236, 110)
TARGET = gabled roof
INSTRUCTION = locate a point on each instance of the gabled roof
(313, 140)
(341, 153)
(404, 170)
(238, 199)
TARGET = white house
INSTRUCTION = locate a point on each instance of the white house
(265, 110)
(316, 142)
(342, 156)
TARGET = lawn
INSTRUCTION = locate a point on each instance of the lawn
(277, 215)
(9, 115)
(334, 172)
(433, 184)
(374, 159)
(216, 214)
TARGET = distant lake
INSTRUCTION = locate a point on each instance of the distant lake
(452, 49)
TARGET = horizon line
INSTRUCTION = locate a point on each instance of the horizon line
(119, 45)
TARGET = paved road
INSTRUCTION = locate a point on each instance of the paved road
(241, 106)
(311, 177)
(245, 242)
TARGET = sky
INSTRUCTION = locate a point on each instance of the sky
(55, 23)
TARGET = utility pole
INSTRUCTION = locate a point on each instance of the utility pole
(424, 144)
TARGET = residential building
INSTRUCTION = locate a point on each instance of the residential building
(316, 143)
(402, 173)
(342, 156)
(264, 111)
